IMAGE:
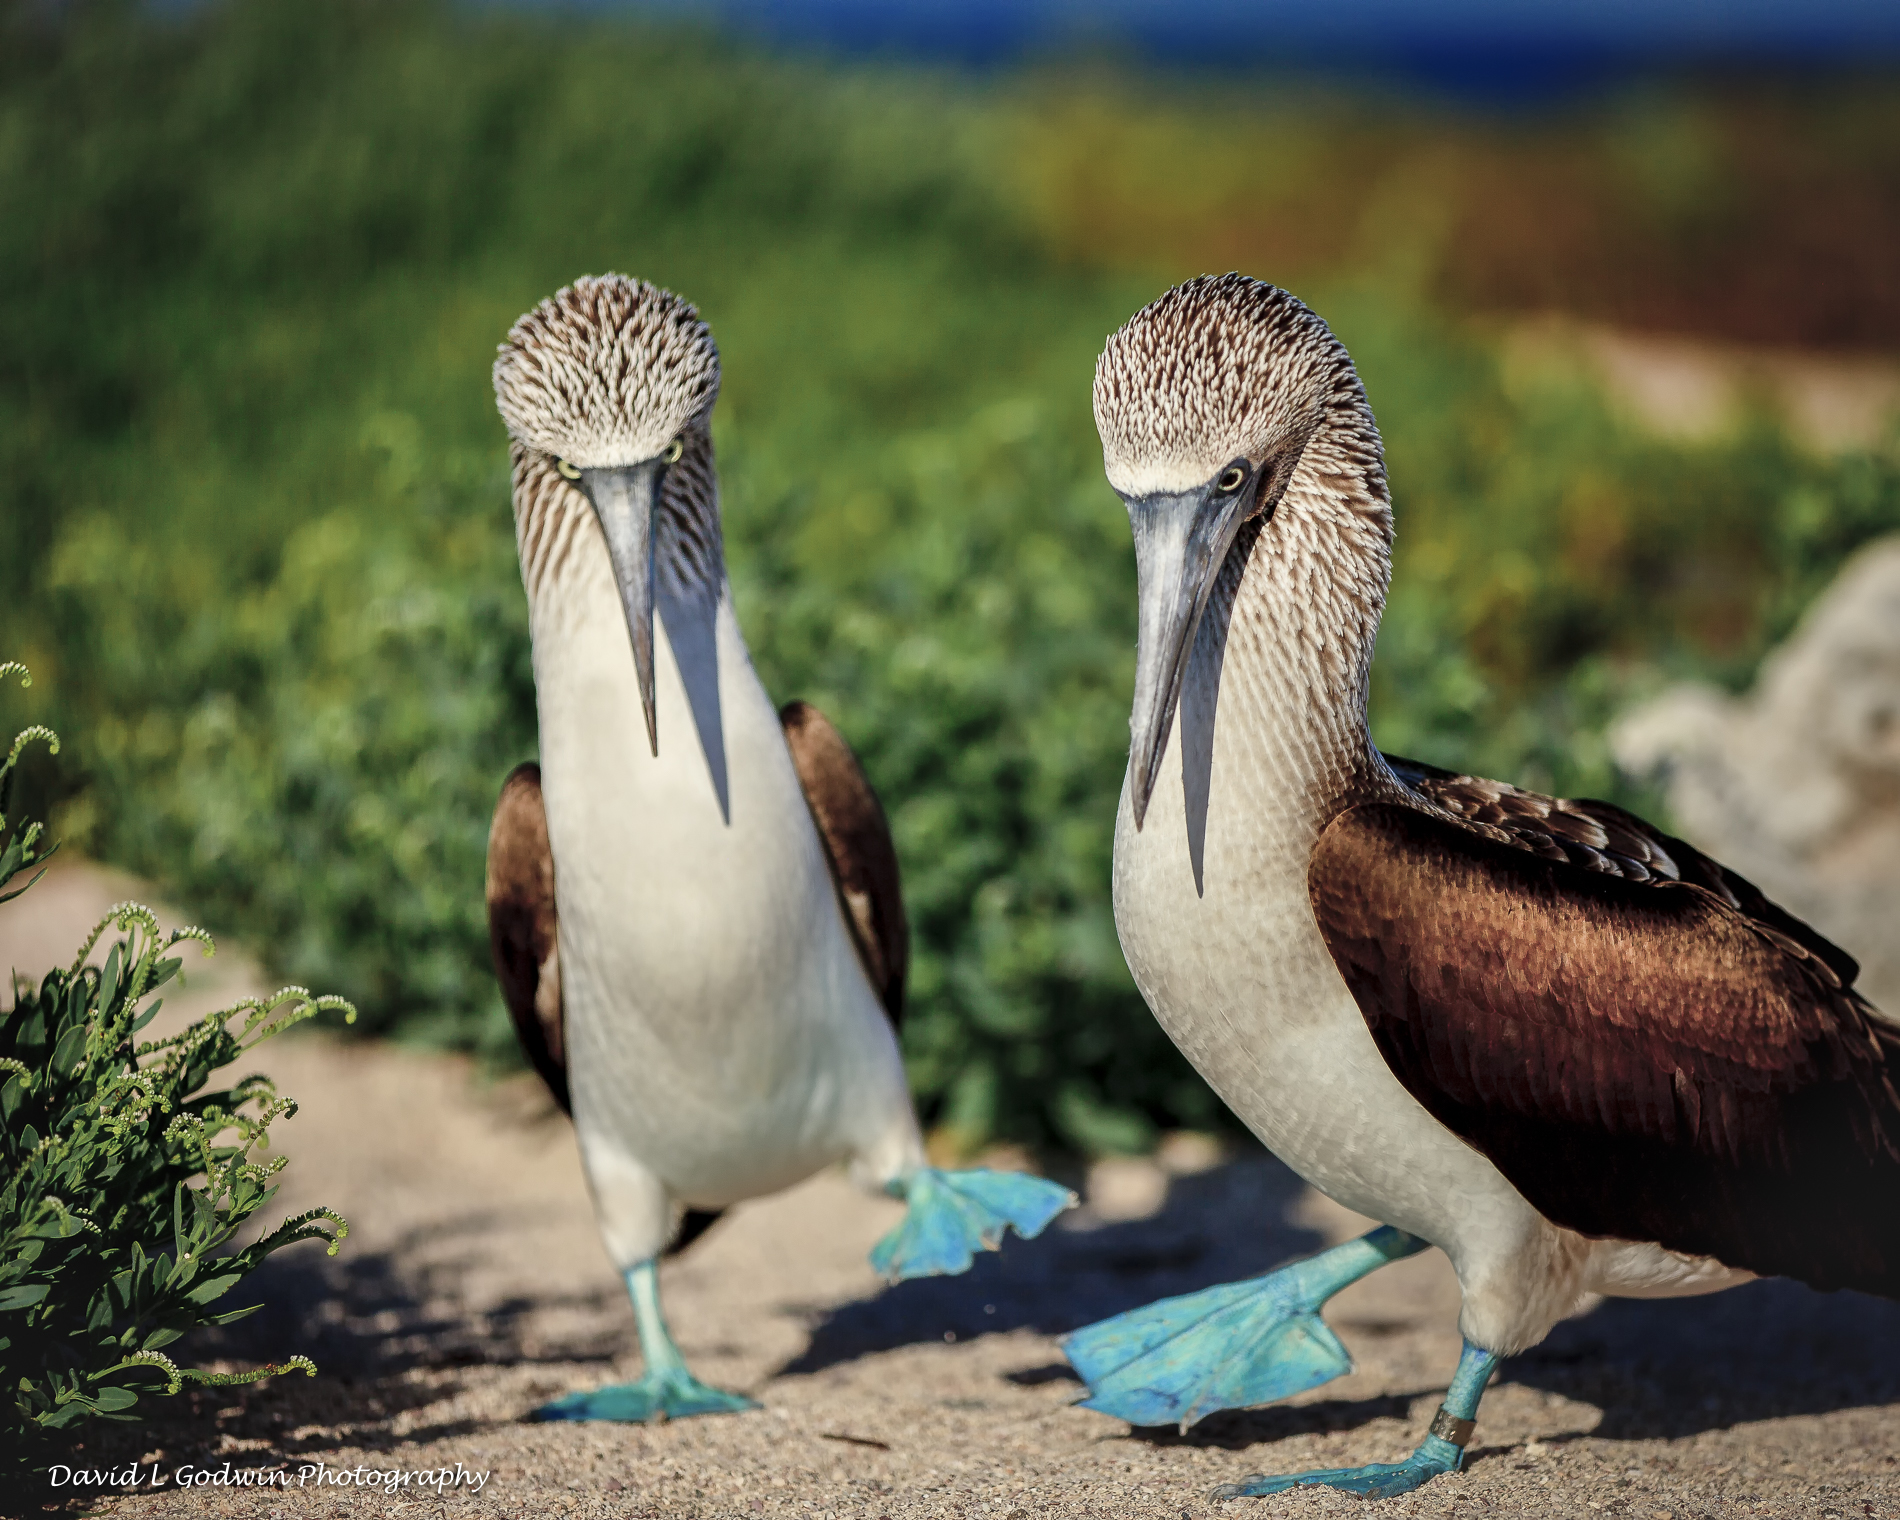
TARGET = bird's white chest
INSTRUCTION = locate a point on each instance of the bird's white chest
(719, 1023)
(1212, 906)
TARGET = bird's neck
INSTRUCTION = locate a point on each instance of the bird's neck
(689, 545)
(587, 693)
(1296, 615)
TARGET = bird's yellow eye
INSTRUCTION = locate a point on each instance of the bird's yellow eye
(673, 451)
(1231, 478)
(568, 472)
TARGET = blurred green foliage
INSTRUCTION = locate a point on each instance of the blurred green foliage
(254, 260)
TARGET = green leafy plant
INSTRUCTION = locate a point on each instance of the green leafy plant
(126, 1178)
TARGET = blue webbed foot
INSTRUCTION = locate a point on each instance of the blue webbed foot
(668, 1391)
(1442, 1450)
(953, 1215)
(1381, 1480)
(671, 1395)
(1228, 1347)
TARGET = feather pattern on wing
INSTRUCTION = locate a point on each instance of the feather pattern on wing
(1640, 1042)
(1600, 836)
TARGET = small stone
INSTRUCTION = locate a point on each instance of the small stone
(1123, 1188)
(1184, 1152)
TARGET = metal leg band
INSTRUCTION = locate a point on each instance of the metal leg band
(1453, 1428)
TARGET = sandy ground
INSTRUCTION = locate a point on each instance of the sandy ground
(472, 1287)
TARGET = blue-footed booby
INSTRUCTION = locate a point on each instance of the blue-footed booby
(693, 899)
(1569, 1050)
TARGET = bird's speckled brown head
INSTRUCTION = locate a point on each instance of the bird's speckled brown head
(607, 371)
(1218, 369)
(1231, 416)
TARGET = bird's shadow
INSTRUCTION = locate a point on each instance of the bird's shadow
(369, 1314)
(1214, 1226)
(1666, 1368)
(1239, 1429)
(1656, 1368)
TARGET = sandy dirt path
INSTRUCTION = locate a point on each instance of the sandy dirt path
(472, 1287)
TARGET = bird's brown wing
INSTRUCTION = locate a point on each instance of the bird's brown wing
(857, 839)
(1643, 1058)
(521, 925)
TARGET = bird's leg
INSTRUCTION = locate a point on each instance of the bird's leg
(953, 1215)
(1229, 1347)
(1442, 1450)
(666, 1391)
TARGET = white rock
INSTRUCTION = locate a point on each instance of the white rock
(1797, 784)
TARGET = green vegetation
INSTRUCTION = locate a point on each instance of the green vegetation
(108, 1253)
(254, 260)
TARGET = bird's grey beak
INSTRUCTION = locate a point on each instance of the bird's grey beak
(624, 500)
(1181, 541)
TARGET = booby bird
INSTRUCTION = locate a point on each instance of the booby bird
(693, 899)
(1538, 1033)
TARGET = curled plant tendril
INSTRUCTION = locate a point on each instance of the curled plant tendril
(174, 1374)
(176, 1377)
(127, 916)
(297, 1363)
(192, 932)
(308, 1219)
(25, 737)
(20, 741)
